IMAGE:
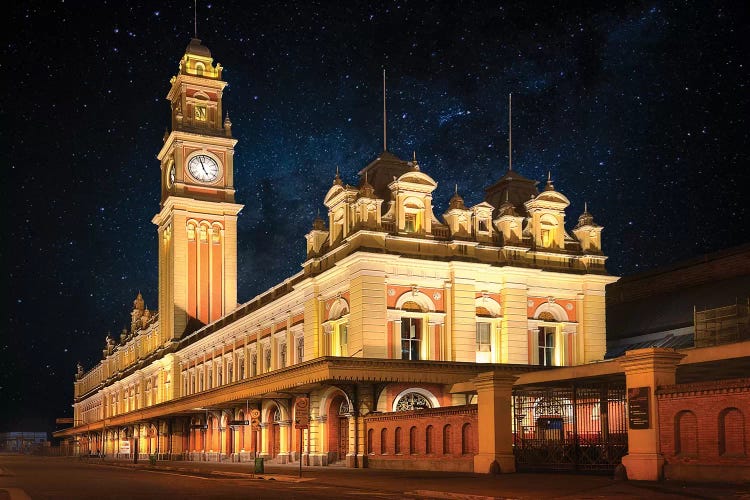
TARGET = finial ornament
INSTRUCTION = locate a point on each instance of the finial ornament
(585, 206)
(456, 192)
(337, 179)
(195, 18)
(549, 186)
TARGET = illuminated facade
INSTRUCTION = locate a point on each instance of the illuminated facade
(395, 310)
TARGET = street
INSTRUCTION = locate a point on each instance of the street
(23, 477)
(40, 478)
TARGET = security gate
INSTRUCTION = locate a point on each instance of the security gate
(576, 428)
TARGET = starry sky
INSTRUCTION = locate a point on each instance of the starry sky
(638, 108)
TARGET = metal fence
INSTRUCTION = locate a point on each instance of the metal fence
(576, 428)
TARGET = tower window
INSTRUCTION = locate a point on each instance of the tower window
(483, 225)
(201, 114)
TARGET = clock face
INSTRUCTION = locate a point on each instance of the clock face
(203, 168)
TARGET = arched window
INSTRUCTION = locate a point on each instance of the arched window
(466, 439)
(428, 440)
(686, 433)
(370, 434)
(383, 440)
(412, 401)
(447, 439)
(412, 440)
(397, 441)
(731, 432)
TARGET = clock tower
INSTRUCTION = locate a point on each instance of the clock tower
(197, 223)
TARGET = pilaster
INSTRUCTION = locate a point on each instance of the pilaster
(495, 422)
(645, 370)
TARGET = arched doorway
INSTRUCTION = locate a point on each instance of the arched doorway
(338, 428)
(274, 431)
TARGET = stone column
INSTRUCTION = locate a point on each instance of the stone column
(284, 428)
(263, 448)
(647, 368)
(495, 422)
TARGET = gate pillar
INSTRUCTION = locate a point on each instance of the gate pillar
(495, 423)
(645, 370)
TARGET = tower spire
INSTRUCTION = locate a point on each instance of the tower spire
(385, 143)
(195, 18)
(510, 132)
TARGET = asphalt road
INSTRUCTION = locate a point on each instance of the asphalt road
(23, 477)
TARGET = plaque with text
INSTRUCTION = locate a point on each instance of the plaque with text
(638, 408)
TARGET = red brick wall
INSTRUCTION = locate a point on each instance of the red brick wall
(461, 439)
(706, 423)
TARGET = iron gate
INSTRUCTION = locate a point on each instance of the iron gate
(576, 428)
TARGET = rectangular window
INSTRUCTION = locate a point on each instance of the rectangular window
(344, 334)
(410, 223)
(546, 237)
(483, 225)
(546, 346)
(483, 337)
(200, 113)
(300, 349)
(410, 336)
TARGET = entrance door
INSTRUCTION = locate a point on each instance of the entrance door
(343, 437)
(276, 441)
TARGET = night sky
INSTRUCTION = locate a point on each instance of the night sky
(640, 109)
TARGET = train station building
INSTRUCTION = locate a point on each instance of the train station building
(468, 340)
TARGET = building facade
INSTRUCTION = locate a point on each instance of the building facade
(395, 310)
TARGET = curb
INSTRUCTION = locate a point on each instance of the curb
(447, 495)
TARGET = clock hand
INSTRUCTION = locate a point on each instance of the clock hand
(202, 165)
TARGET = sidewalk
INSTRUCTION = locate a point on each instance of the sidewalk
(457, 486)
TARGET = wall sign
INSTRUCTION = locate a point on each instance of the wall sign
(638, 408)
